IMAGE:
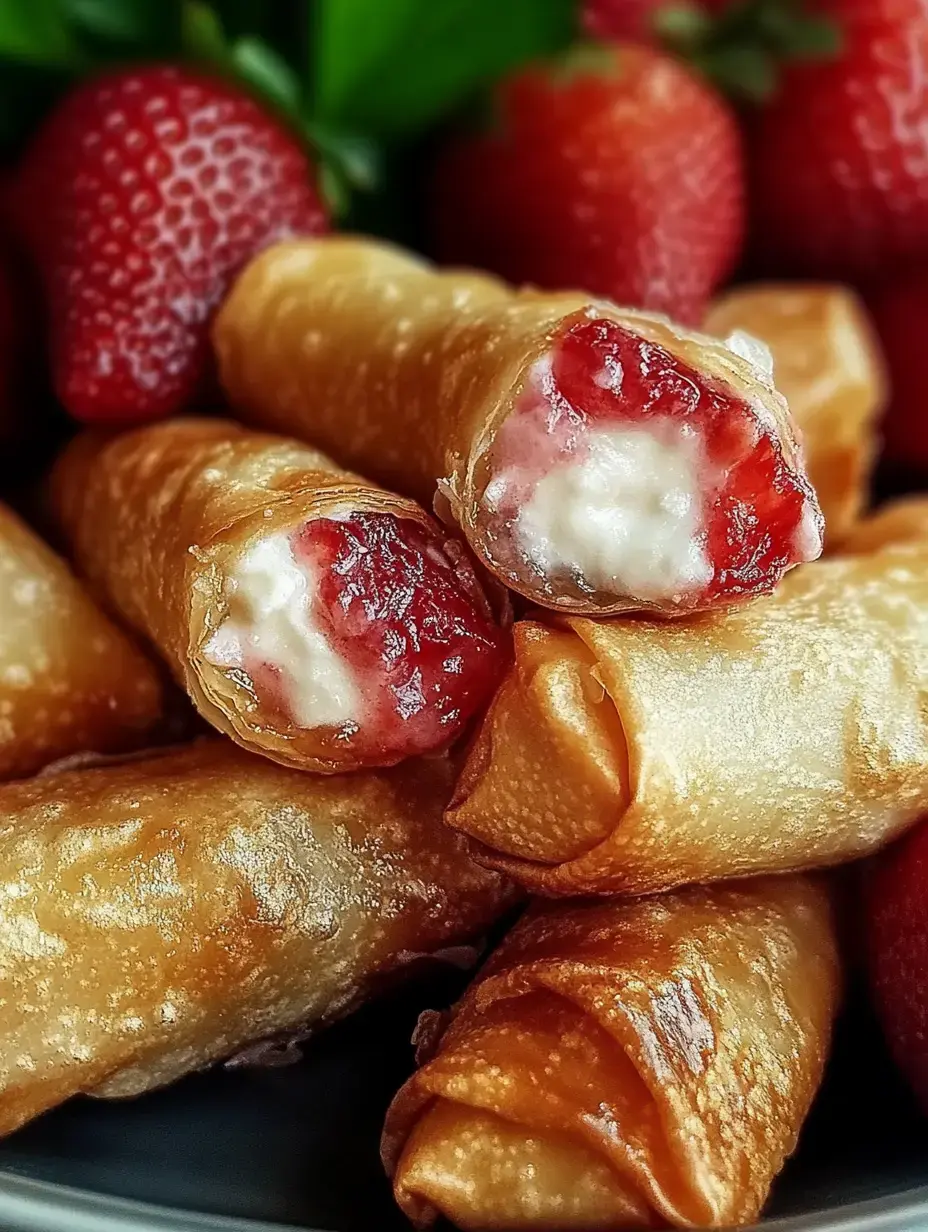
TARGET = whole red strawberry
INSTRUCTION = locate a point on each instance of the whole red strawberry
(139, 199)
(897, 945)
(900, 310)
(839, 160)
(617, 172)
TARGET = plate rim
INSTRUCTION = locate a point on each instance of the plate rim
(28, 1204)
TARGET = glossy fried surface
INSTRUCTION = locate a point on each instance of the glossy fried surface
(406, 373)
(633, 756)
(69, 679)
(159, 914)
(158, 516)
(625, 1064)
(826, 363)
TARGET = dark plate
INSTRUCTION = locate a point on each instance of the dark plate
(297, 1147)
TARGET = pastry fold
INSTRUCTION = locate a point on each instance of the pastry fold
(630, 756)
(899, 523)
(408, 374)
(828, 366)
(70, 681)
(159, 519)
(160, 914)
(624, 1065)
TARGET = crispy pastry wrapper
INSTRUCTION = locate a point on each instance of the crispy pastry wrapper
(828, 366)
(158, 517)
(899, 523)
(625, 757)
(406, 373)
(624, 1064)
(69, 679)
(172, 910)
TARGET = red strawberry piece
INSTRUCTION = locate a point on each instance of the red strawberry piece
(140, 198)
(8, 350)
(617, 172)
(403, 607)
(896, 920)
(839, 159)
(900, 310)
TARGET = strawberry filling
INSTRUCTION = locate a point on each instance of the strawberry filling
(624, 473)
(369, 624)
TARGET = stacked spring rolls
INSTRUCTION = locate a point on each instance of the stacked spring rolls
(687, 698)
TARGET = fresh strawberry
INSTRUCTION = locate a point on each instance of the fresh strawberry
(617, 172)
(900, 309)
(8, 350)
(839, 159)
(139, 199)
(896, 919)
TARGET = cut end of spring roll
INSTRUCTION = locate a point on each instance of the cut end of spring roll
(597, 460)
(632, 757)
(309, 615)
(827, 365)
(70, 681)
(642, 467)
(624, 1065)
(171, 910)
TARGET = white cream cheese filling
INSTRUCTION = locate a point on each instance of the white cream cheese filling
(624, 515)
(270, 621)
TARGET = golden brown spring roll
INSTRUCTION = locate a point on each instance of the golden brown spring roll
(162, 913)
(632, 756)
(899, 523)
(624, 1065)
(69, 679)
(310, 615)
(597, 459)
(827, 364)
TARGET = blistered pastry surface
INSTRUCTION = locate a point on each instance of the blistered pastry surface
(678, 1041)
(69, 679)
(789, 734)
(157, 915)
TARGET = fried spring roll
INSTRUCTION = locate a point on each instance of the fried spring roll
(597, 460)
(632, 756)
(625, 1065)
(69, 679)
(311, 616)
(159, 914)
(827, 364)
(900, 523)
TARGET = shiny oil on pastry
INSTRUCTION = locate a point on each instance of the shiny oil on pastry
(597, 460)
(624, 1065)
(634, 756)
(160, 914)
(70, 681)
(310, 615)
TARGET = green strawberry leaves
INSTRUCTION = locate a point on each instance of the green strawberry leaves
(744, 48)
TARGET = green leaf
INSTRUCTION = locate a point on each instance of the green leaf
(392, 67)
(268, 73)
(202, 35)
(37, 32)
(145, 24)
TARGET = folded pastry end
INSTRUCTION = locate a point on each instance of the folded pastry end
(625, 1065)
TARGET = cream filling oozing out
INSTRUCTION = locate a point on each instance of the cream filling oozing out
(624, 515)
(270, 625)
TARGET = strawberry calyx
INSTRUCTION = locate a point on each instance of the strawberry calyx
(741, 46)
